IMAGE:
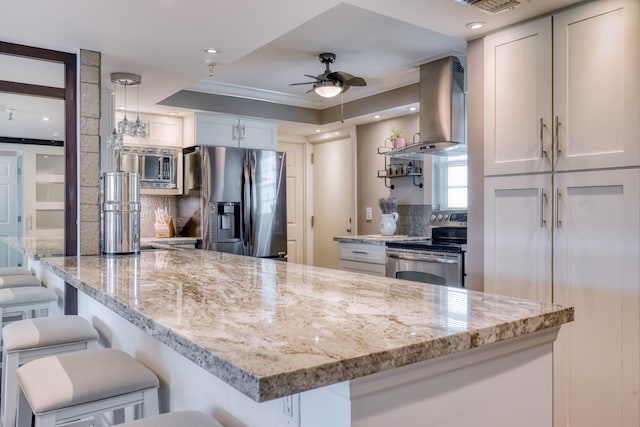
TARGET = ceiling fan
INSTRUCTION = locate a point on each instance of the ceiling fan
(331, 83)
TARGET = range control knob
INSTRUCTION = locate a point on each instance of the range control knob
(433, 217)
(446, 217)
(439, 217)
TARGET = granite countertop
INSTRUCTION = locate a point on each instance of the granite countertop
(376, 239)
(271, 328)
(36, 247)
(150, 242)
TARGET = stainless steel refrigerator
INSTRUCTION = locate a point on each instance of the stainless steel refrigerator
(241, 198)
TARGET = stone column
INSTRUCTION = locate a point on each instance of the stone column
(89, 156)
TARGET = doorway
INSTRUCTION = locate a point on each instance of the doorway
(296, 170)
(333, 198)
(9, 205)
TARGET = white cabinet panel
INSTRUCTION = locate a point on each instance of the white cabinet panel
(229, 131)
(518, 236)
(518, 99)
(362, 258)
(163, 131)
(596, 270)
(596, 86)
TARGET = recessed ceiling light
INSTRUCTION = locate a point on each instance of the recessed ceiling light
(317, 130)
(336, 133)
(46, 119)
(377, 116)
(413, 108)
(212, 50)
(475, 25)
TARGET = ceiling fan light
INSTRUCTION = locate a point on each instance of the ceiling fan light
(327, 89)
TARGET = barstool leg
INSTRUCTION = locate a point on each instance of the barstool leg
(9, 383)
(24, 411)
(150, 403)
(46, 420)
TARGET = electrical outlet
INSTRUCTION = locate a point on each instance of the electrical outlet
(290, 412)
(368, 213)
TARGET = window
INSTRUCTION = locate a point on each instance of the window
(449, 182)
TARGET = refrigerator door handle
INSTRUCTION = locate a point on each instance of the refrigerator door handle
(246, 205)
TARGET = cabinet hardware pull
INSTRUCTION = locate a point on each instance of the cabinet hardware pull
(360, 252)
(556, 208)
(542, 196)
(234, 132)
(558, 150)
(543, 152)
(348, 230)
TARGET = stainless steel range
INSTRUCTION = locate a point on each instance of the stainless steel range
(439, 260)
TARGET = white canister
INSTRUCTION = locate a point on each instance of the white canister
(388, 224)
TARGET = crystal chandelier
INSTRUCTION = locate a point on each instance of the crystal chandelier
(137, 129)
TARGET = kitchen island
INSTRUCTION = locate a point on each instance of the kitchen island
(247, 339)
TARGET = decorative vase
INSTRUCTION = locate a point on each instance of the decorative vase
(388, 224)
(398, 142)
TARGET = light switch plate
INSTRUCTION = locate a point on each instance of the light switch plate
(368, 213)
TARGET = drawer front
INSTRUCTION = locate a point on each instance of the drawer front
(363, 252)
(362, 267)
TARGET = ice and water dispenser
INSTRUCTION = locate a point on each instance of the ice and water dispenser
(224, 225)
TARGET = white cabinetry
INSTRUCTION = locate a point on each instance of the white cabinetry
(229, 131)
(44, 191)
(592, 88)
(562, 223)
(362, 258)
(518, 236)
(163, 131)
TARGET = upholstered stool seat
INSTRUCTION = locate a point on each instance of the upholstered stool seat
(80, 384)
(176, 419)
(31, 339)
(14, 271)
(25, 300)
(18, 280)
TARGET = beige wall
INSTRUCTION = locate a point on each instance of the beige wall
(475, 126)
(369, 187)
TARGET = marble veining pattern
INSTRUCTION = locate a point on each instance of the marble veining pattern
(271, 328)
(375, 239)
(36, 247)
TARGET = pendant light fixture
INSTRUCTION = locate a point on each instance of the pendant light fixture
(137, 129)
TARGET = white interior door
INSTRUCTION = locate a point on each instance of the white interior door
(295, 201)
(9, 206)
(332, 198)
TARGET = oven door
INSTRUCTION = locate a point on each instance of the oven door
(438, 268)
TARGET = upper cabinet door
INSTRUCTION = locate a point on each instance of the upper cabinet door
(517, 134)
(258, 134)
(596, 86)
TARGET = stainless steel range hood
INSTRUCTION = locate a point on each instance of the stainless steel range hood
(442, 110)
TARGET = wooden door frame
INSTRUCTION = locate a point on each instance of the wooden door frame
(69, 95)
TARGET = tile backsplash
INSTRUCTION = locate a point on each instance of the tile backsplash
(414, 220)
(148, 205)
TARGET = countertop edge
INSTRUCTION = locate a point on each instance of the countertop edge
(282, 384)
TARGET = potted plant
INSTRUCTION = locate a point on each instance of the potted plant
(396, 138)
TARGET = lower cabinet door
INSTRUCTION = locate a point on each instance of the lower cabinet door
(597, 270)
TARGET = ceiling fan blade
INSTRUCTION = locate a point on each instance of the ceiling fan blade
(314, 77)
(310, 90)
(340, 76)
(302, 83)
(356, 81)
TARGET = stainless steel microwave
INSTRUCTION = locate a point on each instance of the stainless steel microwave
(160, 169)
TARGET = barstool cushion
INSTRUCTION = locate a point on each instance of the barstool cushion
(25, 294)
(14, 271)
(69, 379)
(176, 419)
(46, 332)
(18, 280)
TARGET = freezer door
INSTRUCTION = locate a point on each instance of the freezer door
(265, 208)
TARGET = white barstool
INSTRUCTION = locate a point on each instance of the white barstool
(13, 271)
(19, 280)
(74, 386)
(31, 339)
(27, 302)
(176, 419)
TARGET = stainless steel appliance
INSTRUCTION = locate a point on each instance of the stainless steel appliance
(121, 213)
(439, 260)
(160, 169)
(241, 196)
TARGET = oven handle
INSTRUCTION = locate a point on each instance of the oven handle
(429, 258)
